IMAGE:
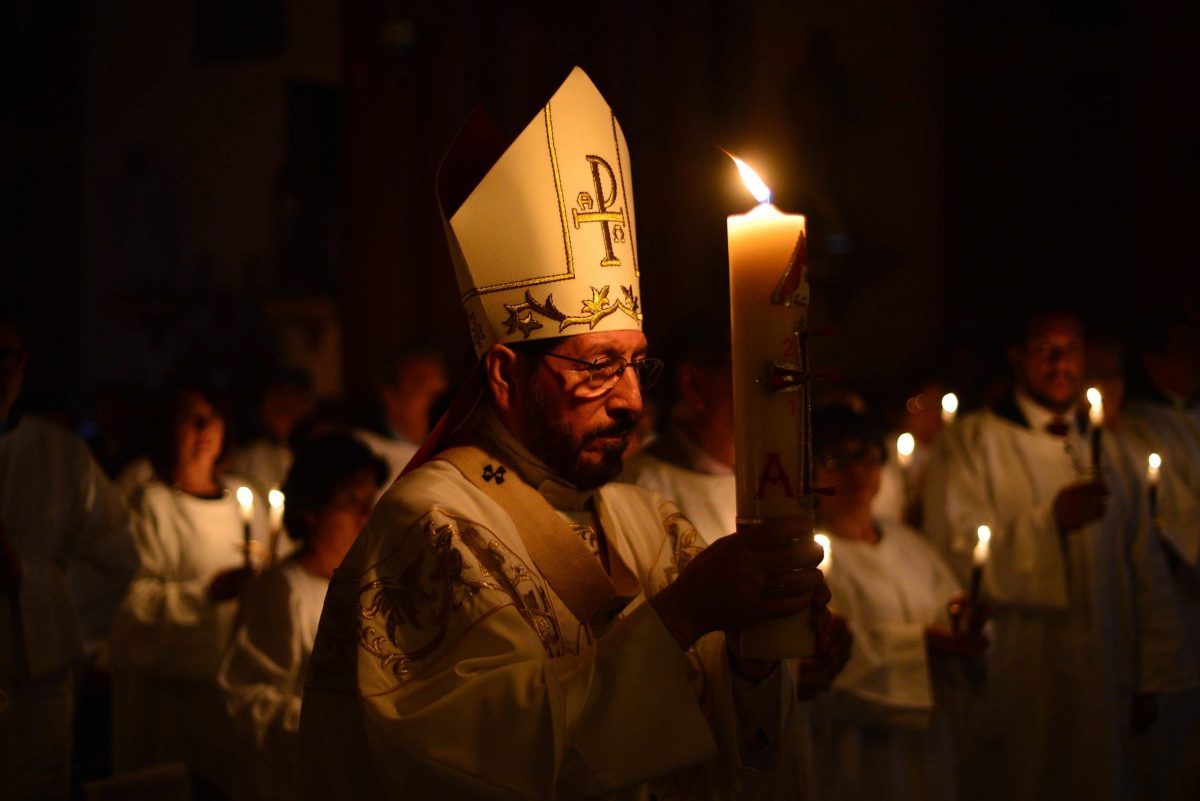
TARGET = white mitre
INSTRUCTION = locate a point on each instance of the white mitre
(544, 245)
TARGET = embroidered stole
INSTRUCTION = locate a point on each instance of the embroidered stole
(567, 564)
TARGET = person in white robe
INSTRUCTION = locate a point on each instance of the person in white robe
(175, 622)
(899, 496)
(884, 732)
(412, 380)
(286, 400)
(511, 623)
(1163, 417)
(1087, 633)
(66, 558)
(330, 491)
(691, 462)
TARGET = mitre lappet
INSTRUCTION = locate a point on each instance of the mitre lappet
(541, 231)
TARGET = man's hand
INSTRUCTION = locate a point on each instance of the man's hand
(967, 617)
(10, 565)
(816, 675)
(759, 573)
(229, 584)
(1076, 505)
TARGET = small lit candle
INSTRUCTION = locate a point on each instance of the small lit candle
(275, 500)
(1096, 420)
(949, 407)
(245, 499)
(1153, 466)
(979, 558)
(905, 445)
(827, 551)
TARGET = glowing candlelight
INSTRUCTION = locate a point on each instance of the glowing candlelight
(983, 536)
(1096, 419)
(1153, 467)
(905, 445)
(827, 549)
(949, 407)
(768, 285)
(245, 499)
(275, 501)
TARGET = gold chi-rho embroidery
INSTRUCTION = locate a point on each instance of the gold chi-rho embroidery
(612, 222)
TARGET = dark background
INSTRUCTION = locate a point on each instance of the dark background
(253, 179)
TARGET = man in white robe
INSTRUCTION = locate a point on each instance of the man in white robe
(66, 556)
(692, 461)
(509, 625)
(1086, 630)
(1163, 417)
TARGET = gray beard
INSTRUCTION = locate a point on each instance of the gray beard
(543, 432)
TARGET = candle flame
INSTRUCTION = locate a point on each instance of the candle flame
(949, 403)
(275, 498)
(1155, 461)
(245, 497)
(750, 178)
(981, 547)
(1096, 413)
(826, 549)
(905, 444)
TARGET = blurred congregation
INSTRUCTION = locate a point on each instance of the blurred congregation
(251, 327)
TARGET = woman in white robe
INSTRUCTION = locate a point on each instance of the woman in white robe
(884, 733)
(330, 491)
(170, 632)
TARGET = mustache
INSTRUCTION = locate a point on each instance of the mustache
(620, 428)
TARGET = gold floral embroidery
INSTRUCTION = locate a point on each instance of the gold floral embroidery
(521, 315)
(421, 597)
(526, 590)
(684, 542)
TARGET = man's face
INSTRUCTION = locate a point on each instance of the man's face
(580, 437)
(1049, 365)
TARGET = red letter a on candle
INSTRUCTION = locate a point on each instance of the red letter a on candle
(774, 473)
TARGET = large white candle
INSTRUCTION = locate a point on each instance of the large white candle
(769, 302)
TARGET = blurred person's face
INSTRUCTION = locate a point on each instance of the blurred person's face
(1177, 368)
(579, 433)
(421, 382)
(1105, 371)
(853, 469)
(199, 432)
(339, 521)
(283, 407)
(13, 358)
(923, 413)
(1048, 366)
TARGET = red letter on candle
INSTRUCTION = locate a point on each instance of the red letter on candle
(774, 473)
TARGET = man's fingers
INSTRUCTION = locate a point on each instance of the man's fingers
(794, 582)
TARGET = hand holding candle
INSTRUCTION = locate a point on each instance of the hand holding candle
(245, 499)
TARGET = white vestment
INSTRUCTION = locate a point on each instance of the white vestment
(396, 451)
(71, 532)
(1082, 619)
(705, 489)
(880, 734)
(168, 637)
(1173, 432)
(447, 667)
(262, 676)
(897, 484)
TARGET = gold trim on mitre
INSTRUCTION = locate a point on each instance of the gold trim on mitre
(544, 245)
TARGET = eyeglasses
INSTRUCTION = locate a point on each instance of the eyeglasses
(603, 374)
(839, 459)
